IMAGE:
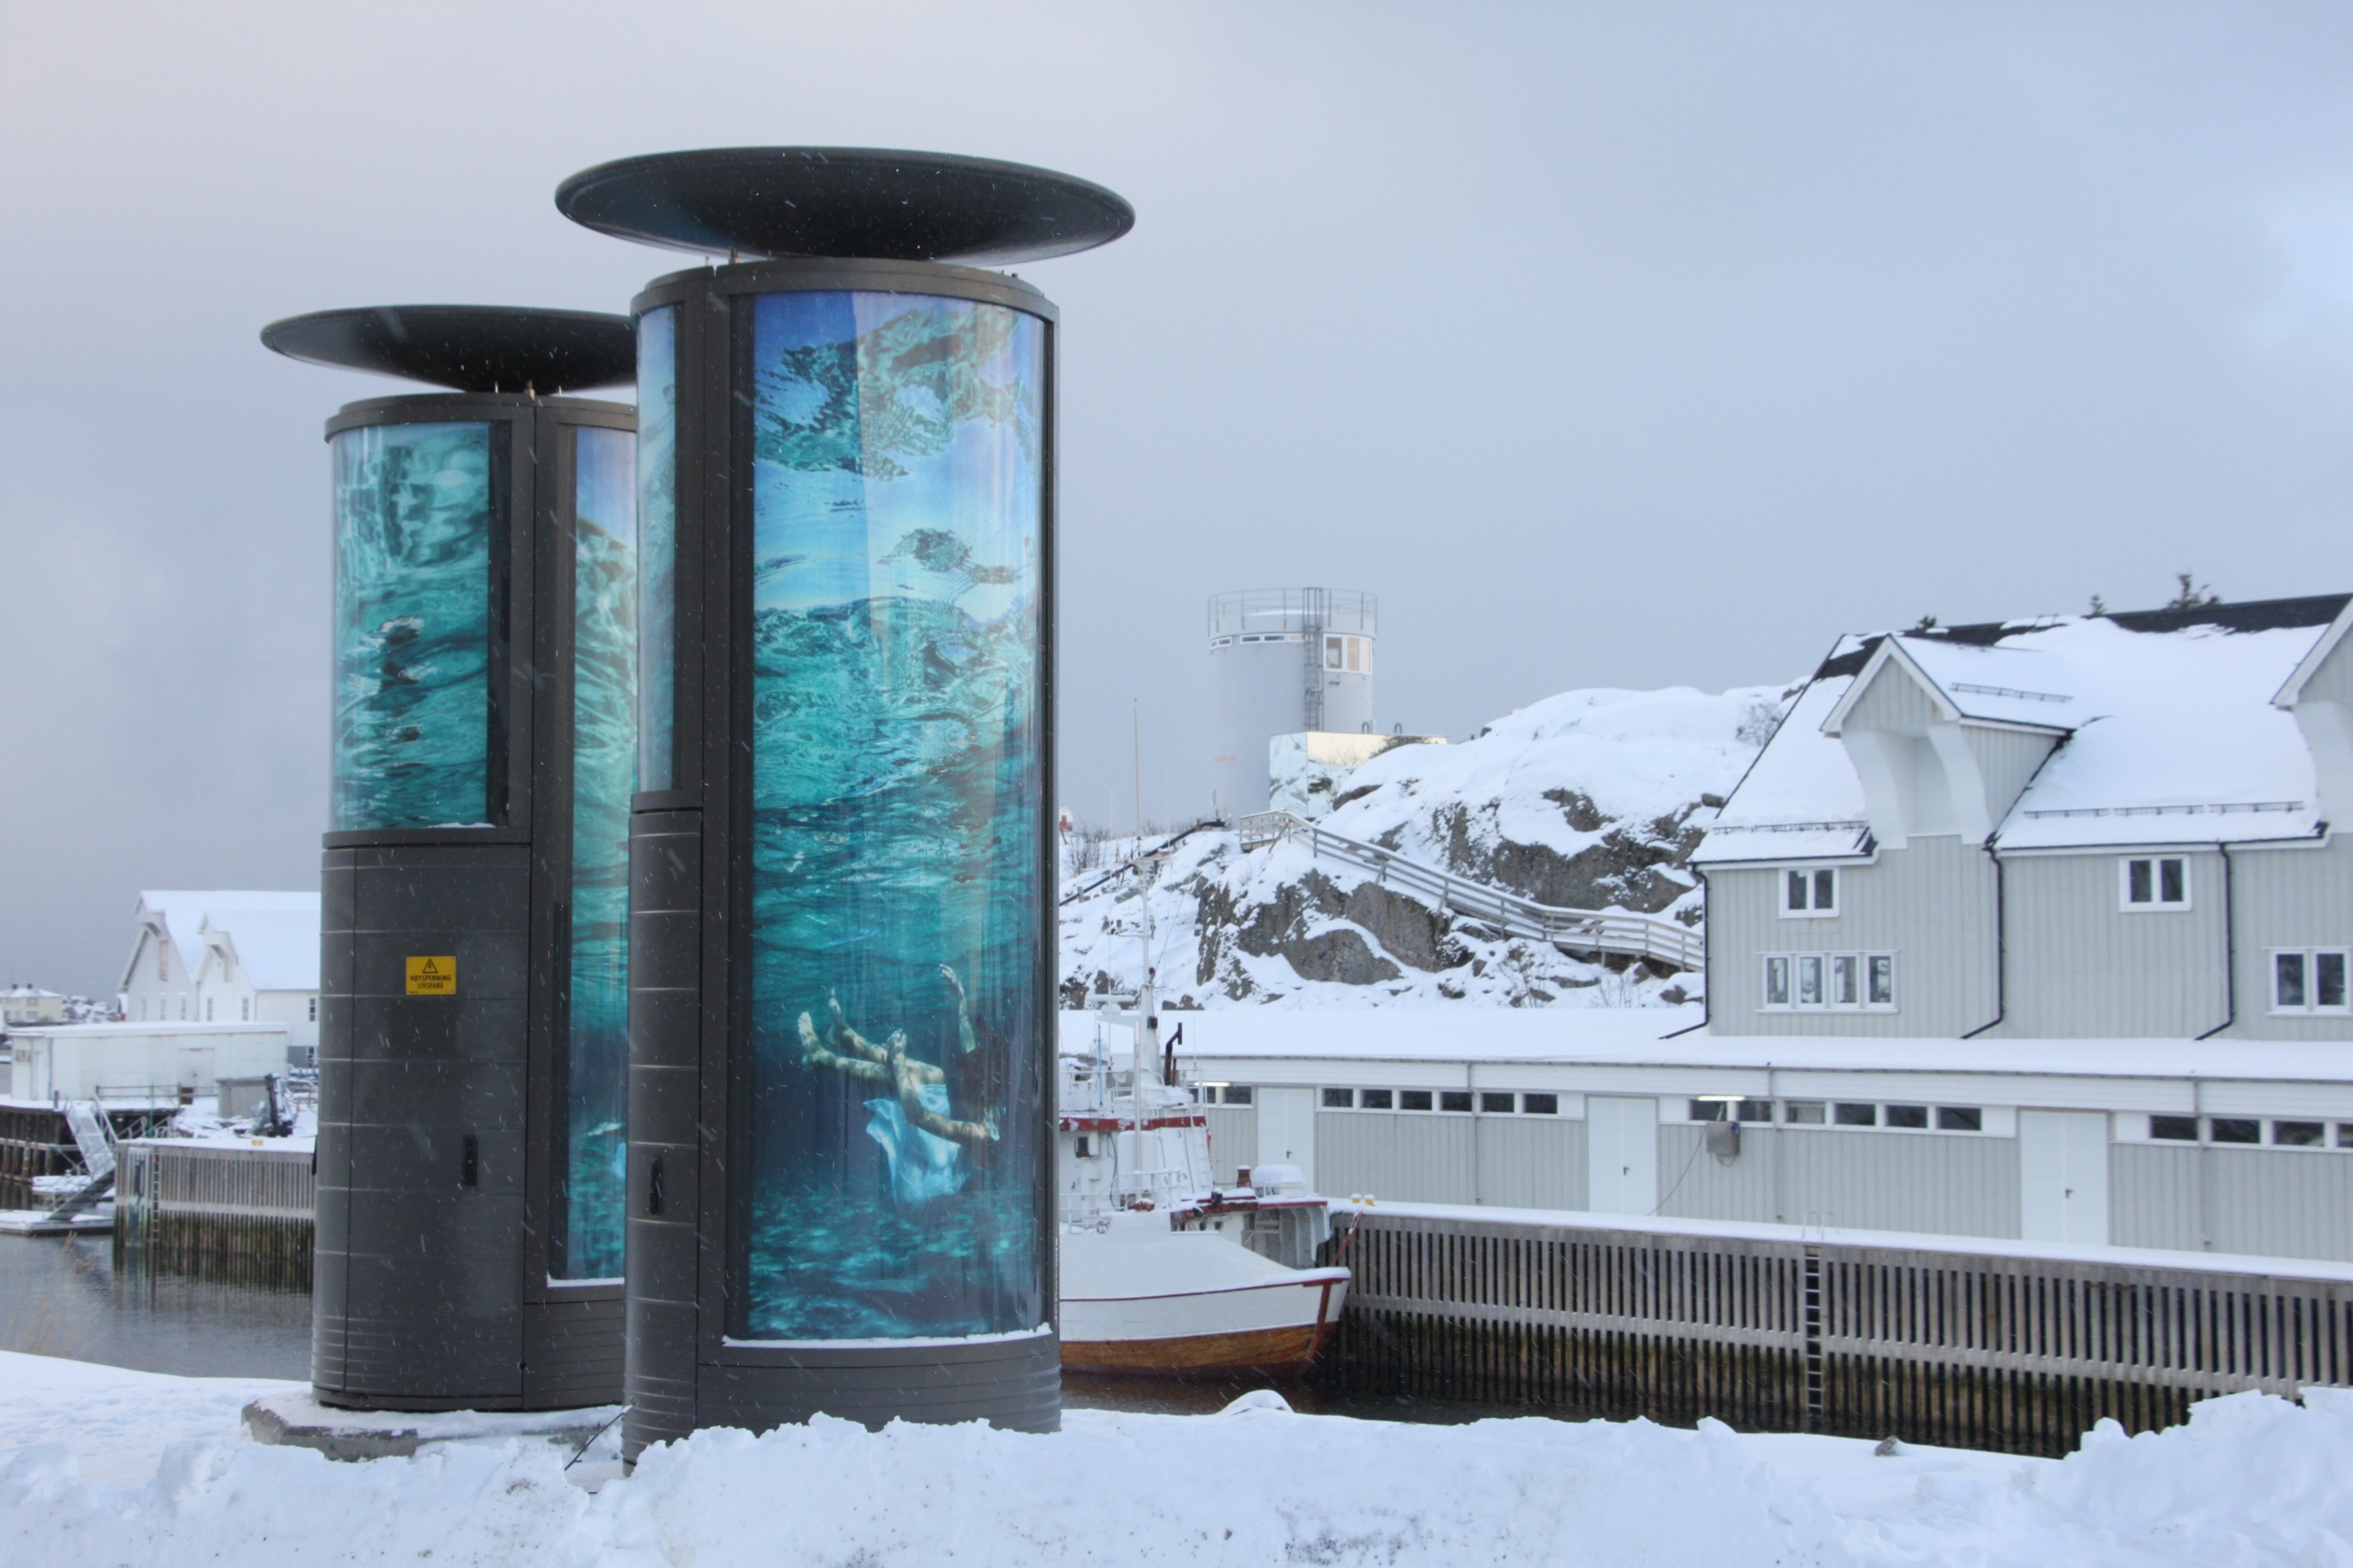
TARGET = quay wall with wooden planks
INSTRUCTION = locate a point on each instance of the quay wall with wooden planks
(225, 1210)
(1996, 1350)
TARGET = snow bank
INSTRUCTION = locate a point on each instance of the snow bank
(2250, 1480)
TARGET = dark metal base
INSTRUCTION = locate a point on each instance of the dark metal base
(422, 1298)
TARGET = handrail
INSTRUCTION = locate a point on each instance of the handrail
(1133, 861)
(1604, 930)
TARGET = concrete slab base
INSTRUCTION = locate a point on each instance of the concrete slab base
(297, 1420)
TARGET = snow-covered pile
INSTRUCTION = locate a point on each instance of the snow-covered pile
(2252, 1479)
(1588, 799)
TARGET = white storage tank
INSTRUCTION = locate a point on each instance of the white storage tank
(1282, 660)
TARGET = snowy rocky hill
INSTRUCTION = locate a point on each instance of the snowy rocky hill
(1587, 800)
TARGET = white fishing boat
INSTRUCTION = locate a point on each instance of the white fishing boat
(1163, 1271)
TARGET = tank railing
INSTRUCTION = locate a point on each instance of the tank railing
(1293, 610)
(1652, 937)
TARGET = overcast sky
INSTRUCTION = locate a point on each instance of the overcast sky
(1609, 345)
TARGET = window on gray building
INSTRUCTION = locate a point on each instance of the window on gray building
(1809, 892)
(2175, 1129)
(1803, 1112)
(1495, 1104)
(1540, 1104)
(2309, 980)
(2234, 1130)
(1907, 1116)
(1237, 1094)
(1454, 1100)
(1339, 1099)
(1413, 1099)
(2300, 1134)
(1833, 981)
(2156, 882)
(1856, 1115)
(1959, 1118)
(1373, 1099)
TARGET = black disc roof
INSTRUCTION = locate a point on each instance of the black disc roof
(474, 348)
(862, 202)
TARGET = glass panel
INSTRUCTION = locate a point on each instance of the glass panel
(1809, 982)
(1826, 889)
(2235, 1130)
(2289, 968)
(2172, 882)
(414, 542)
(1373, 1099)
(1846, 980)
(1495, 1104)
(897, 893)
(1413, 1099)
(1756, 1111)
(1540, 1104)
(1959, 1118)
(1339, 1099)
(2299, 1134)
(2137, 881)
(604, 769)
(2328, 979)
(1803, 1112)
(1454, 1100)
(657, 544)
(1907, 1116)
(1882, 980)
(2176, 1128)
(1857, 1116)
(1238, 1093)
(1777, 982)
(1707, 1109)
(1796, 890)
(1331, 653)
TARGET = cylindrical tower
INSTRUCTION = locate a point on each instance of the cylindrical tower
(473, 1047)
(1282, 660)
(841, 1028)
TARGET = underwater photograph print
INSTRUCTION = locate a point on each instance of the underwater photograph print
(897, 504)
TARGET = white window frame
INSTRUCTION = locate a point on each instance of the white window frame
(1812, 884)
(1825, 971)
(2154, 903)
(2311, 956)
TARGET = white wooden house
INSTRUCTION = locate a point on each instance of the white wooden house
(227, 957)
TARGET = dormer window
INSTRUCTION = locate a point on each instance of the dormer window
(2155, 882)
(1809, 892)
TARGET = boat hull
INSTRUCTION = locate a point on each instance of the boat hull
(1278, 1327)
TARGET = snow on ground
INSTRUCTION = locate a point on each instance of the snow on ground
(2251, 1481)
(1586, 800)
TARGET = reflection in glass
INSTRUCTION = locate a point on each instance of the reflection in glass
(656, 543)
(413, 506)
(897, 772)
(604, 767)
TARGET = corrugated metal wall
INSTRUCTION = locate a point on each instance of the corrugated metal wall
(1931, 904)
(1532, 1163)
(1233, 1141)
(2081, 965)
(1413, 1157)
(2289, 898)
(1852, 1179)
(2269, 1204)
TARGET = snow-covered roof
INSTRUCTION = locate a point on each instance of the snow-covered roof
(279, 948)
(2168, 730)
(275, 918)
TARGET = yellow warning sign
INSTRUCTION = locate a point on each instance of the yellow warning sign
(432, 977)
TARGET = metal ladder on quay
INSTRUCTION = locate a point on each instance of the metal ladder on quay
(95, 1140)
